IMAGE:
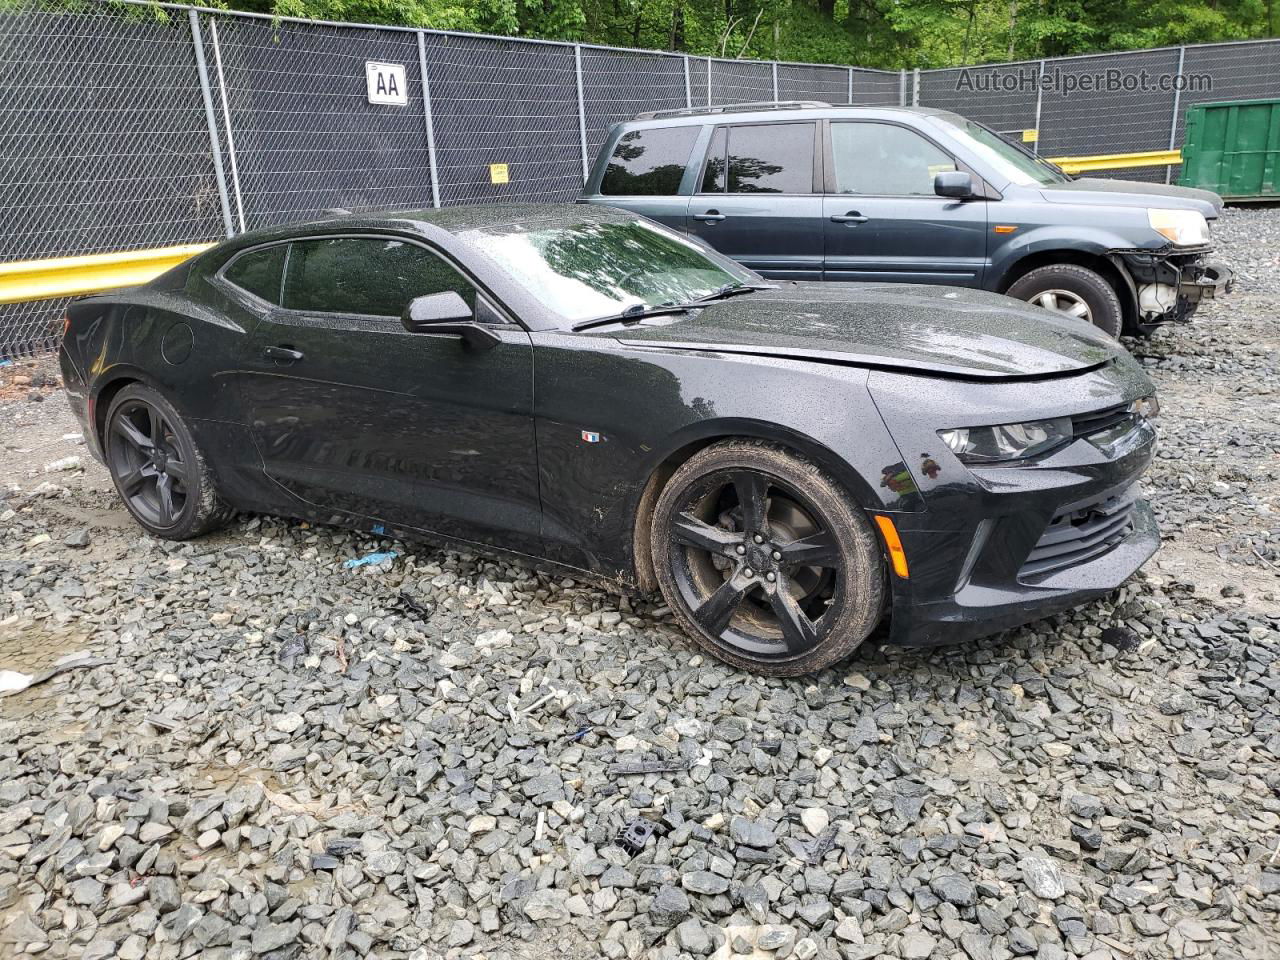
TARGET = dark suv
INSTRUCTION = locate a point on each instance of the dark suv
(808, 191)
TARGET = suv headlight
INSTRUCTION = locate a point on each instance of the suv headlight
(1182, 228)
(1010, 441)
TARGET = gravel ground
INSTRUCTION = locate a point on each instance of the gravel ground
(270, 755)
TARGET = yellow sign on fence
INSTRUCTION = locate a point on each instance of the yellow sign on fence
(498, 173)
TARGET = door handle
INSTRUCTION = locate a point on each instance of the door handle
(711, 216)
(287, 354)
(853, 216)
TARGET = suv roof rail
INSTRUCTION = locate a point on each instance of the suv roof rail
(728, 107)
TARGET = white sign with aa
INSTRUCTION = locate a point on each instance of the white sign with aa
(386, 83)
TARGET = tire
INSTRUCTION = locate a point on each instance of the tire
(167, 486)
(1080, 287)
(702, 542)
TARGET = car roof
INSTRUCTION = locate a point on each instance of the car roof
(697, 116)
(431, 221)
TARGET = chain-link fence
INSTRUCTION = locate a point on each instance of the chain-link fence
(129, 124)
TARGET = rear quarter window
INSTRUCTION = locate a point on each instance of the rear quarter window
(649, 162)
(259, 272)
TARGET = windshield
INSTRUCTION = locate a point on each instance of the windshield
(1019, 166)
(585, 271)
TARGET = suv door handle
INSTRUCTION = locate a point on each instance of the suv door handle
(853, 216)
(287, 354)
(711, 216)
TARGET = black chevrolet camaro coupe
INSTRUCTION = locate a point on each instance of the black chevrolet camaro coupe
(788, 462)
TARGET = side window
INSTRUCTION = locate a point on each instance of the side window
(377, 276)
(771, 158)
(713, 175)
(881, 159)
(258, 271)
(649, 162)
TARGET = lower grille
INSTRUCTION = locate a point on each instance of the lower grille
(1080, 535)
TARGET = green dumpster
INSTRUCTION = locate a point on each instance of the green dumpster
(1233, 149)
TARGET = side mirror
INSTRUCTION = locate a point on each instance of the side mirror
(953, 183)
(447, 312)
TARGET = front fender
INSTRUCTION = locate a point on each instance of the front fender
(1088, 241)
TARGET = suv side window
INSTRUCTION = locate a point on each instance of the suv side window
(762, 158)
(373, 276)
(649, 162)
(258, 272)
(883, 159)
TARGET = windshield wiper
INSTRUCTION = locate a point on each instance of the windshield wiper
(637, 311)
(732, 290)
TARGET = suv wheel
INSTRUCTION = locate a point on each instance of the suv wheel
(1076, 291)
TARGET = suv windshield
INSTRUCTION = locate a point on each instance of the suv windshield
(586, 270)
(1018, 165)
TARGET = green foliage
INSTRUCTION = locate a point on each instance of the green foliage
(875, 33)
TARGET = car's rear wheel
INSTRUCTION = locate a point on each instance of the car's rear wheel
(1074, 290)
(157, 468)
(765, 560)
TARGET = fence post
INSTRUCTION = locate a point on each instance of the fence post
(915, 87)
(197, 40)
(902, 87)
(1035, 147)
(582, 111)
(1177, 103)
(226, 120)
(775, 81)
(850, 72)
(427, 120)
(688, 97)
(708, 81)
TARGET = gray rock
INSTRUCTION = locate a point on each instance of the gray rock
(704, 882)
(548, 905)
(1042, 877)
(693, 938)
(954, 889)
(272, 936)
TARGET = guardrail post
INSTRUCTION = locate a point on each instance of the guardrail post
(1035, 147)
(1177, 104)
(688, 97)
(427, 121)
(902, 87)
(197, 41)
(915, 87)
(226, 119)
(775, 81)
(582, 111)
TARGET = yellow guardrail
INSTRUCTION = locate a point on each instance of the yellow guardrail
(1118, 161)
(73, 276)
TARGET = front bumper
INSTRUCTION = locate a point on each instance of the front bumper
(1168, 287)
(978, 609)
(998, 546)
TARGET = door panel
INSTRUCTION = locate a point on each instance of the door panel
(881, 218)
(765, 212)
(906, 239)
(354, 414)
(411, 429)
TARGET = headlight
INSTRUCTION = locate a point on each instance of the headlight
(1010, 441)
(1182, 228)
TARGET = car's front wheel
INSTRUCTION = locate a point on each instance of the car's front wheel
(1074, 290)
(765, 560)
(157, 468)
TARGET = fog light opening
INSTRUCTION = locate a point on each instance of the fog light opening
(897, 556)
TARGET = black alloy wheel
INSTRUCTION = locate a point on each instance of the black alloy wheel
(766, 560)
(156, 467)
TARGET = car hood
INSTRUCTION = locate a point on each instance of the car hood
(1132, 193)
(940, 330)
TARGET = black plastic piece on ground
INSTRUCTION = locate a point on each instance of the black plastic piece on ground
(634, 835)
(1122, 638)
